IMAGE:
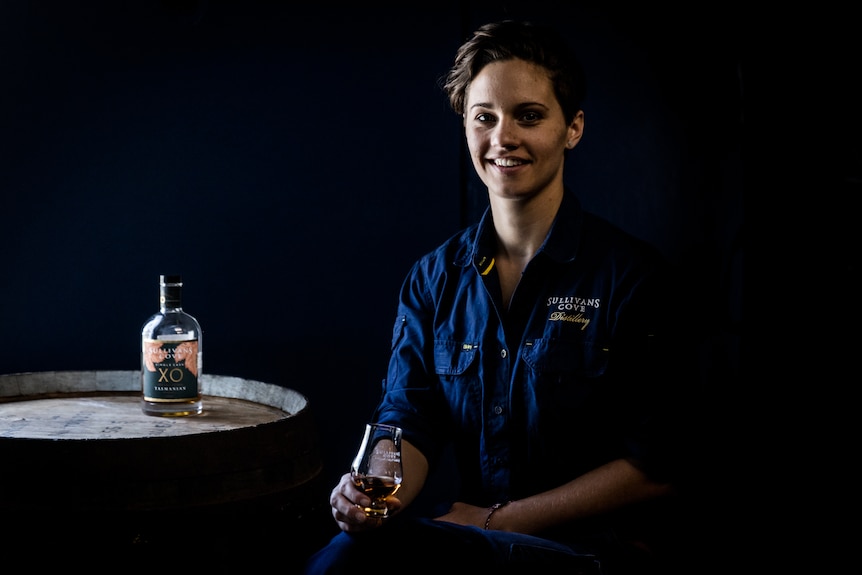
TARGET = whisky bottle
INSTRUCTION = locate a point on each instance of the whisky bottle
(171, 356)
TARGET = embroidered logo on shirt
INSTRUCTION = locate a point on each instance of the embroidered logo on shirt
(572, 309)
(486, 270)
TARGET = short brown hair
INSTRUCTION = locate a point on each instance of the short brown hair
(527, 41)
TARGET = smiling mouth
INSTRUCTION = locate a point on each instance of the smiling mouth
(508, 162)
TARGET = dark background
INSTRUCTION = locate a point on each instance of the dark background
(292, 160)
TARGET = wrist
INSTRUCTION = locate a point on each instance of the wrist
(491, 510)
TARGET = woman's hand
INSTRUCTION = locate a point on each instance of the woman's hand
(347, 501)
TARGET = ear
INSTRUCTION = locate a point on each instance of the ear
(575, 130)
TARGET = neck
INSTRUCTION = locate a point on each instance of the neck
(522, 225)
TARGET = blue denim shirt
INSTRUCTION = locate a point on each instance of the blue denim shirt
(566, 379)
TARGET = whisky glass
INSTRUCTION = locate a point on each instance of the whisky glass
(376, 470)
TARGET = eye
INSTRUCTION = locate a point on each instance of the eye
(531, 117)
(485, 118)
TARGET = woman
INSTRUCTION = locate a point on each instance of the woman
(530, 343)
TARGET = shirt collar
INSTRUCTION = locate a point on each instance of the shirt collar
(561, 245)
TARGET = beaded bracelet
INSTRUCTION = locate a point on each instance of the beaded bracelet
(492, 510)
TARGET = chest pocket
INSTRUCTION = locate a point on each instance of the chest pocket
(566, 372)
(551, 356)
(453, 357)
(456, 364)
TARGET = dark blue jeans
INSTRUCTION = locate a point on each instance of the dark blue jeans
(407, 545)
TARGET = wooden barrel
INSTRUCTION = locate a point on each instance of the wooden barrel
(76, 444)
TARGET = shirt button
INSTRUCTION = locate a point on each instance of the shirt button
(503, 354)
(498, 410)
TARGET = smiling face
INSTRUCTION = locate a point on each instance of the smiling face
(516, 131)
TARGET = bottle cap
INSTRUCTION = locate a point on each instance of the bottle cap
(170, 279)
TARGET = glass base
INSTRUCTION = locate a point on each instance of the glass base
(378, 512)
(172, 408)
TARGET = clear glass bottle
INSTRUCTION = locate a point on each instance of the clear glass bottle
(171, 356)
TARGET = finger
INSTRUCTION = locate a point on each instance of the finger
(351, 494)
(343, 507)
(368, 523)
(349, 514)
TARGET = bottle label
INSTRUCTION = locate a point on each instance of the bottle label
(170, 369)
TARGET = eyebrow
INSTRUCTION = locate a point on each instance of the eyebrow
(518, 107)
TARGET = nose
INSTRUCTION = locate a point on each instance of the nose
(505, 134)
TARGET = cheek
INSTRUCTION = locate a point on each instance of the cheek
(476, 144)
(551, 147)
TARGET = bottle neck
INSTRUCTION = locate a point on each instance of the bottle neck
(170, 298)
